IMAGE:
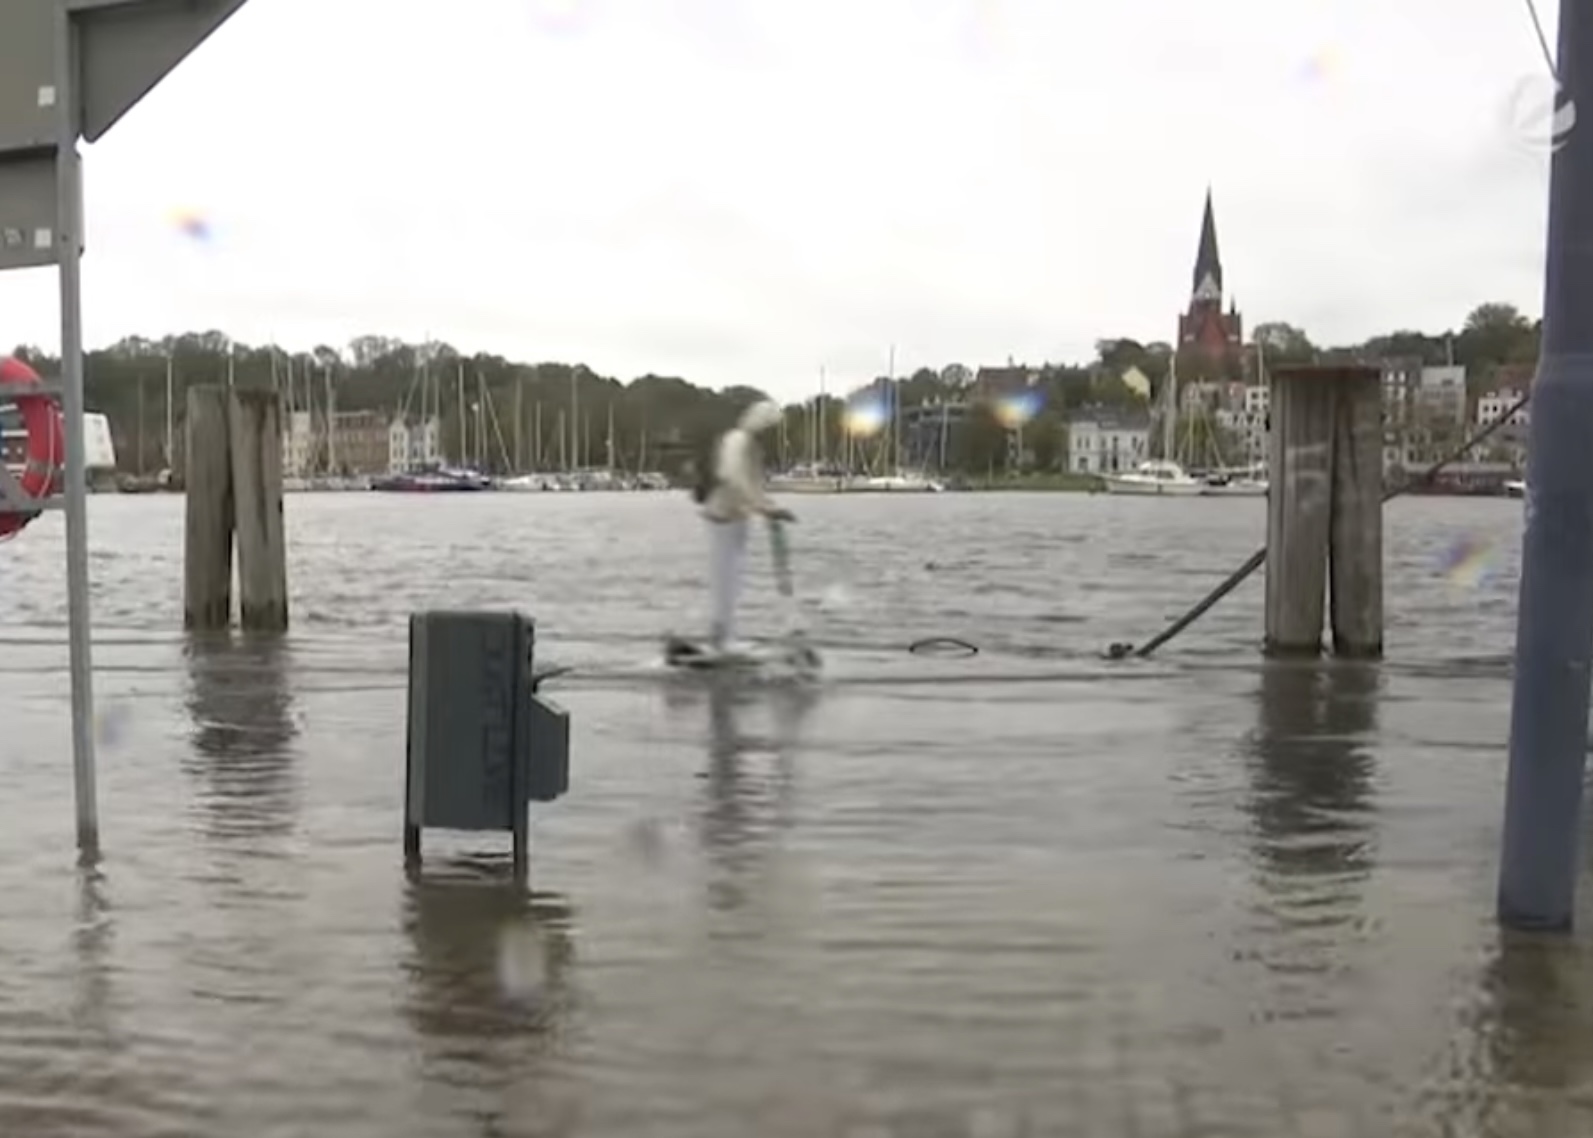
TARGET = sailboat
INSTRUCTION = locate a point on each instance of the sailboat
(1160, 476)
(1248, 481)
(818, 475)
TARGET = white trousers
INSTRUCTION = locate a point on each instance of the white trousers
(727, 564)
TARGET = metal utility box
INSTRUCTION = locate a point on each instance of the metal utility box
(483, 744)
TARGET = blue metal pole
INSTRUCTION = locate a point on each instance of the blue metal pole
(1554, 630)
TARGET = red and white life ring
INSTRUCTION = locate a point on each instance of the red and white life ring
(45, 456)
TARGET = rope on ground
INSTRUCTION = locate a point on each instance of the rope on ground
(953, 646)
(1119, 650)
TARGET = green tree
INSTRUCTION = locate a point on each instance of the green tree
(537, 409)
(1283, 343)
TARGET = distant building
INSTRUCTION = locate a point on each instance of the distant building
(1242, 412)
(414, 445)
(1202, 395)
(998, 382)
(359, 442)
(930, 431)
(1441, 395)
(298, 444)
(1401, 379)
(1509, 442)
(1210, 340)
(1137, 382)
(1424, 410)
(1105, 440)
(1256, 421)
(1492, 407)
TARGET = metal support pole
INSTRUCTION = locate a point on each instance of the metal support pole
(69, 243)
(1554, 631)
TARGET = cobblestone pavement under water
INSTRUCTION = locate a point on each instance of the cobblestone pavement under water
(1027, 893)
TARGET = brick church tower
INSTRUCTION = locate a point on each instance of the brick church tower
(1209, 339)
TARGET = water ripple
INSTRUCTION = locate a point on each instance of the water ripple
(1030, 892)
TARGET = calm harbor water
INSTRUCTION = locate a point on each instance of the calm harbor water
(1025, 893)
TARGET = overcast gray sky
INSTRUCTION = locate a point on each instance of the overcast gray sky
(745, 190)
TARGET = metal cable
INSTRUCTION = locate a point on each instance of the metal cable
(1543, 40)
(1119, 650)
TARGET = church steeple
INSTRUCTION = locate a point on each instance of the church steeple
(1208, 265)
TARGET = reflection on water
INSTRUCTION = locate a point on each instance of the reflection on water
(490, 994)
(91, 945)
(1528, 1053)
(241, 706)
(1065, 899)
(1310, 808)
(1310, 769)
(489, 958)
(750, 779)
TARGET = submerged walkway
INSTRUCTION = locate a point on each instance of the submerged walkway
(1162, 901)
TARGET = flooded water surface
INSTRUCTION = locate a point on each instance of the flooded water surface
(1027, 892)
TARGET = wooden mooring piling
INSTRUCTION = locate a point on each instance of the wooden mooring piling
(1325, 511)
(234, 488)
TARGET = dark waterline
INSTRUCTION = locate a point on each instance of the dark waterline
(963, 897)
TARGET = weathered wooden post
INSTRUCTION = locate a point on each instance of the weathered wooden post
(1325, 510)
(1356, 542)
(208, 526)
(255, 430)
(234, 488)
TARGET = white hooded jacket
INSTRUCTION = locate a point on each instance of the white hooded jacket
(738, 491)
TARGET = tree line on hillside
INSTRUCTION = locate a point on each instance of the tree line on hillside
(513, 414)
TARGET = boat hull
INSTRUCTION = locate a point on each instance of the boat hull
(806, 485)
(1244, 489)
(894, 486)
(1150, 488)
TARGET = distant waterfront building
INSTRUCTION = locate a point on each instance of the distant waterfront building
(1245, 415)
(1424, 410)
(414, 444)
(1441, 395)
(1210, 340)
(1401, 379)
(1509, 442)
(1258, 421)
(1137, 382)
(1000, 382)
(359, 443)
(930, 432)
(1104, 440)
(1492, 406)
(298, 444)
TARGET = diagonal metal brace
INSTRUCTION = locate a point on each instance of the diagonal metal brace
(15, 500)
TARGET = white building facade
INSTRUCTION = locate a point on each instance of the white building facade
(1102, 441)
(298, 444)
(414, 445)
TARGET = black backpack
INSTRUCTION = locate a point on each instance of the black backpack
(704, 476)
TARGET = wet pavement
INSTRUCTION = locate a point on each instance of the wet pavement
(1026, 893)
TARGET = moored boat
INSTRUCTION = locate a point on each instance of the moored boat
(442, 480)
(1248, 482)
(1157, 477)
